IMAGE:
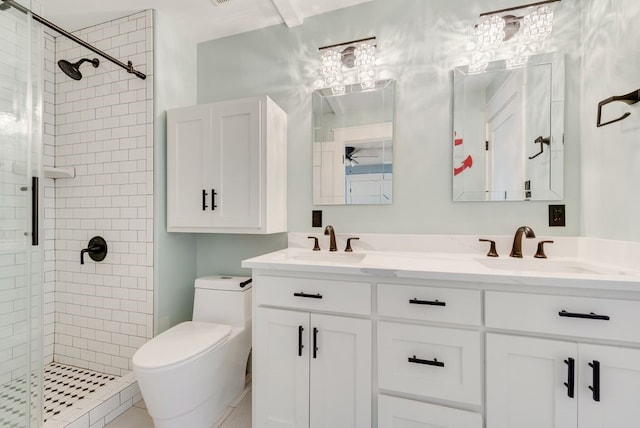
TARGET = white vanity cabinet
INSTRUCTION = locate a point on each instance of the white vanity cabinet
(311, 369)
(226, 167)
(556, 383)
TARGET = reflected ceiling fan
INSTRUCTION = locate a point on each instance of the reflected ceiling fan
(351, 154)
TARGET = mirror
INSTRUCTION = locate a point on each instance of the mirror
(508, 131)
(352, 145)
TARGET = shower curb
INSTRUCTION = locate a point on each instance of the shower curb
(101, 407)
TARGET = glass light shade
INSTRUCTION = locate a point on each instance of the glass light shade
(332, 71)
(537, 25)
(365, 54)
(490, 32)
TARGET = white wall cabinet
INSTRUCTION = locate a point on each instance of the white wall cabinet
(311, 370)
(226, 167)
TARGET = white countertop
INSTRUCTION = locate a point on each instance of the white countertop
(468, 267)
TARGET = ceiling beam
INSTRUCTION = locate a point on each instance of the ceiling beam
(288, 12)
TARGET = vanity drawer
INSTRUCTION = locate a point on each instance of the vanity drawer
(400, 412)
(430, 303)
(429, 361)
(582, 317)
(313, 294)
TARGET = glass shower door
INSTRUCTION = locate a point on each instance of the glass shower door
(20, 254)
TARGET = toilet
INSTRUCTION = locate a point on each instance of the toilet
(189, 374)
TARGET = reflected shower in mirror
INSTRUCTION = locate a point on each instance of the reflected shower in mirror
(352, 145)
(508, 126)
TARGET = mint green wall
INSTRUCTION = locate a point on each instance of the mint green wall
(175, 253)
(419, 43)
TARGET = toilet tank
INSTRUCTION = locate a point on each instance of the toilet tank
(223, 300)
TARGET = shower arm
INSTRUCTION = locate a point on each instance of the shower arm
(38, 18)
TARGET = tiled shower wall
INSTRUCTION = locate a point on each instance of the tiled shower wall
(104, 311)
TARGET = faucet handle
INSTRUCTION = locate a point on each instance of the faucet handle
(348, 249)
(492, 250)
(316, 247)
(540, 252)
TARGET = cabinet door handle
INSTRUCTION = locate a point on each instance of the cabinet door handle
(595, 388)
(433, 362)
(35, 188)
(308, 296)
(427, 302)
(571, 376)
(589, 316)
(300, 345)
(204, 200)
(315, 342)
(213, 200)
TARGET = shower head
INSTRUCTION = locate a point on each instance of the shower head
(73, 70)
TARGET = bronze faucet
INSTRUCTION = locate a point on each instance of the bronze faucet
(332, 238)
(516, 248)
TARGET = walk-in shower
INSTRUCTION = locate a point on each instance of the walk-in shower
(36, 386)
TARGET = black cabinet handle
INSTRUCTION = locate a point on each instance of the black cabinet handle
(315, 342)
(427, 302)
(35, 189)
(204, 200)
(433, 362)
(589, 316)
(571, 377)
(300, 345)
(595, 365)
(309, 296)
(213, 200)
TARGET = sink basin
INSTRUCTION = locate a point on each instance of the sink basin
(325, 256)
(543, 266)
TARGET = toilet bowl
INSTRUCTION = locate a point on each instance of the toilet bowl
(189, 374)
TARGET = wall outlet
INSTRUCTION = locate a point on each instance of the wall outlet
(556, 216)
(316, 218)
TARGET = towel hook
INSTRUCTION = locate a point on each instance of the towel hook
(630, 99)
(542, 142)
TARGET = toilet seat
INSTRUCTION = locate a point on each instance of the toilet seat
(180, 344)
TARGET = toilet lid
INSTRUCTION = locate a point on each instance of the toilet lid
(180, 343)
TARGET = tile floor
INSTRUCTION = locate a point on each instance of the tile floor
(237, 416)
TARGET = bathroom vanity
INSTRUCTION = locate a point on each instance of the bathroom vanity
(406, 338)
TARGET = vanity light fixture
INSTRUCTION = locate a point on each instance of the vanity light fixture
(500, 26)
(339, 59)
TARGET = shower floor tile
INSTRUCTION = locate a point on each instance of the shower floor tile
(65, 385)
(13, 404)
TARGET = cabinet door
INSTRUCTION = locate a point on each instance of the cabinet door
(188, 152)
(619, 387)
(340, 372)
(237, 133)
(526, 383)
(281, 369)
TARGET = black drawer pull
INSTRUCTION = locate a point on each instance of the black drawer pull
(595, 365)
(433, 362)
(589, 316)
(309, 296)
(300, 345)
(427, 302)
(571, 377)
(213, 200)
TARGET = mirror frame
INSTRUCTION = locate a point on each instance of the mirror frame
(465, 186)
